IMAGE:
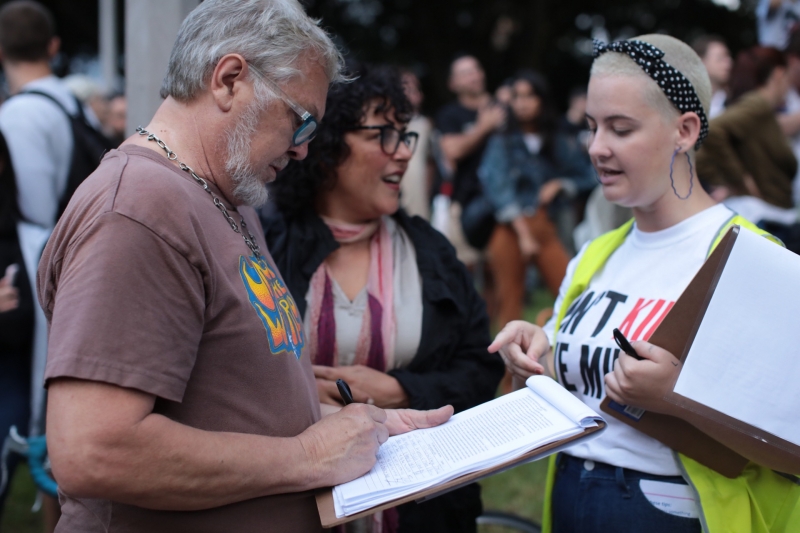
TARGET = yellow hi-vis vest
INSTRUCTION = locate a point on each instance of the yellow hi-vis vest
(759, 500)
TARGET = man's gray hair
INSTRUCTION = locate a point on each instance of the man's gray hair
(273, 35)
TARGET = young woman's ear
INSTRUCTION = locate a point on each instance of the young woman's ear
(688, 130)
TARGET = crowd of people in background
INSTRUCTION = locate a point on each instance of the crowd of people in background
(522, 189)
(504, 176)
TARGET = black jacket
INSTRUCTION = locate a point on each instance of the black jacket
(16, 326)
(452, 365)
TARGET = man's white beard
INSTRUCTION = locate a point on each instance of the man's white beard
(248, 188)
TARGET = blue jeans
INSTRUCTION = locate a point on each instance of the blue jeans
(608, 499)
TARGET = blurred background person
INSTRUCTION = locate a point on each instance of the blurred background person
(38, 132)
(465, 126)
(116, 117)
(89, 93)
(569, 209)
(16, 318)
(573, 122)
(387, 306)
(503, 94)
(747, 154)
(523, 170)
(789, 118)
(40, 143)
(775, 20)
(718, 62)
(415, 189)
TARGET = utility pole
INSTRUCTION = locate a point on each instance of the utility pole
(150, 30)
(109, 53)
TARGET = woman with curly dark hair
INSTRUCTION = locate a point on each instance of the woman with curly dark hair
(387, 306)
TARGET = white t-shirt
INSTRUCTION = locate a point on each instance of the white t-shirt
(633, 291)
(717, 104)
(39, 137)
(533, 141)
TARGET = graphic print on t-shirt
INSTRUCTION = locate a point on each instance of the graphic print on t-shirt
(274, 305)
(633, 290)
(597, 358)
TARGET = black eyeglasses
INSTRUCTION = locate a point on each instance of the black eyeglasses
(391, 138)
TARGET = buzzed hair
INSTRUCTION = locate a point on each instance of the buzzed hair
(676, 53)
(26, 29)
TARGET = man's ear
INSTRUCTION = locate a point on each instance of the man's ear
(53, 47)
(688, 130)
(227, 80)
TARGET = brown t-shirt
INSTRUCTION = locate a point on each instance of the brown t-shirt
(146, 286)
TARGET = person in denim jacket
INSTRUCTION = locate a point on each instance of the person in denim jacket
(522, 172)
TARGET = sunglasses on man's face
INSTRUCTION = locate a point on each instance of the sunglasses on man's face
(391, 138)
(308, 129)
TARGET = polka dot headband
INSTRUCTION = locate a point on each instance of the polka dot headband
(675, 85)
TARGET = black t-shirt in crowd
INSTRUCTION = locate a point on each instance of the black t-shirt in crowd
(455, 118)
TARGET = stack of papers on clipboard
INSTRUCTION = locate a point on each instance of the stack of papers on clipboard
(519, 427)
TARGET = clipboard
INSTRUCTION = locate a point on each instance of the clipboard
(676, 333)
(324, 497)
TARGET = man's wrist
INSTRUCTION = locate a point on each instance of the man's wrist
(306, 458)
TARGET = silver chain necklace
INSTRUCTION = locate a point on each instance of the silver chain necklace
(172, 156)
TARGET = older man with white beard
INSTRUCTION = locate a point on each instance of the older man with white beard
(180, 395)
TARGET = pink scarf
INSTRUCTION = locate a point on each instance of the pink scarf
(376, 339)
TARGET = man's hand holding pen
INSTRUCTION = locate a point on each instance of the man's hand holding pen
(344, 444)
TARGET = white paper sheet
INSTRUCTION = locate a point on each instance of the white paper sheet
(567, 403)
(485, 435)
(745, 359)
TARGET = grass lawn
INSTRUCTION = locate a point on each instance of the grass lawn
(519, 491)
(17, 515)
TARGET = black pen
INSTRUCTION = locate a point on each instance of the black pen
(344, 391)
(623, 343)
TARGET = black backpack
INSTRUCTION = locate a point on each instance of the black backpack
(88, 147)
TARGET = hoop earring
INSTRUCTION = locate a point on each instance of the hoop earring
(691, 175)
